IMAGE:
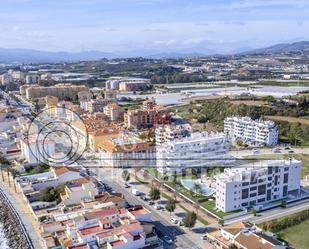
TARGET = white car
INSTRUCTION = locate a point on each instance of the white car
(157, 207)
(204, 236)
(168, 239)
(174, 220)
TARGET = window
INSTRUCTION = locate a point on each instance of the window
(252, 195)
(261, 200)
(286, 178)
(269, 194)
(253, 188)
(262, 189)
(285, 190)
(245, 193)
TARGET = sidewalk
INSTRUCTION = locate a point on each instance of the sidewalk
(23, 210)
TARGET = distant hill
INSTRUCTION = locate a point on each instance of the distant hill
(18, 55)
(282, 47)
(12, 55)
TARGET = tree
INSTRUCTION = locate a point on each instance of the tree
(36, 106)
(221, 222)
(154, 193)
(232, 246)
(125, 175)
(283, 203)
(170, 205)
(190, 219)
(253, 211)
(196, 187)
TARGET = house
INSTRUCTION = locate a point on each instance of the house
(244, 236)
(77, 191)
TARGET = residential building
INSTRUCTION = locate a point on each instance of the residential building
(114, 112)
(256, 185)
(166, 133)
(123, 150)
(148, 116)
(52, 178)
(6, 79)
(18, 76)
(258, 132)
(93, 129)
(61, 91)
(200, 149)
(78, 191)
(96, 105)
(32, 79)
(244, 235)
(128, 84)
(37, 150)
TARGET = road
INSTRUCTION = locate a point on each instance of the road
(160, 219)
(273, 213)
(267, 151)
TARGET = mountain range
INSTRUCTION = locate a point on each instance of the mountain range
(18, 55)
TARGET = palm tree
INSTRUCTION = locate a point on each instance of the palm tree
(196, 187)
(125, 175)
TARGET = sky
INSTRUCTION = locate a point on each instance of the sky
(151, 25)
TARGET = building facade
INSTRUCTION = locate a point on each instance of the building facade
(61, 91)
(167, 133)
(200, 149)
(148, 116)
(250, 131)
(257, 184)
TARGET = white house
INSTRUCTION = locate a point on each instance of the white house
(250, 131)
(75, 192)
(36, 150)
(197, 150)
(256, 185)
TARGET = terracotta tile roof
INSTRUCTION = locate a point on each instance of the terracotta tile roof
(252, 241)
(138, 211)
(62, 170)
(235, 228)
(106, 212)
(90, 230)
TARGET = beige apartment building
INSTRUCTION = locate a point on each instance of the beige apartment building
(149, 115)
(61, 91)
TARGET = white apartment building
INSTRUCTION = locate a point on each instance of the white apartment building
(126, 151)
(200, 149)
(256, 185)
(36, 150)
(166, 133)
(6, 79)
(250, 131)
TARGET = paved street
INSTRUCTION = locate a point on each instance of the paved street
(267, 151)
(184, 237)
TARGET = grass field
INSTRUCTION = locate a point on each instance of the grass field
(303, 157)
(297, 235)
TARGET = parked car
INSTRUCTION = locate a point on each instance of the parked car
(291, 151)
(174, 220)
(136, 192)
(157, 207)
(151, 203)
(204, 236)
(168, 239)
(276, 150)
(127, 185)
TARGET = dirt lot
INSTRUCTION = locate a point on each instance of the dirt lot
(250, 102)
(290, 119)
